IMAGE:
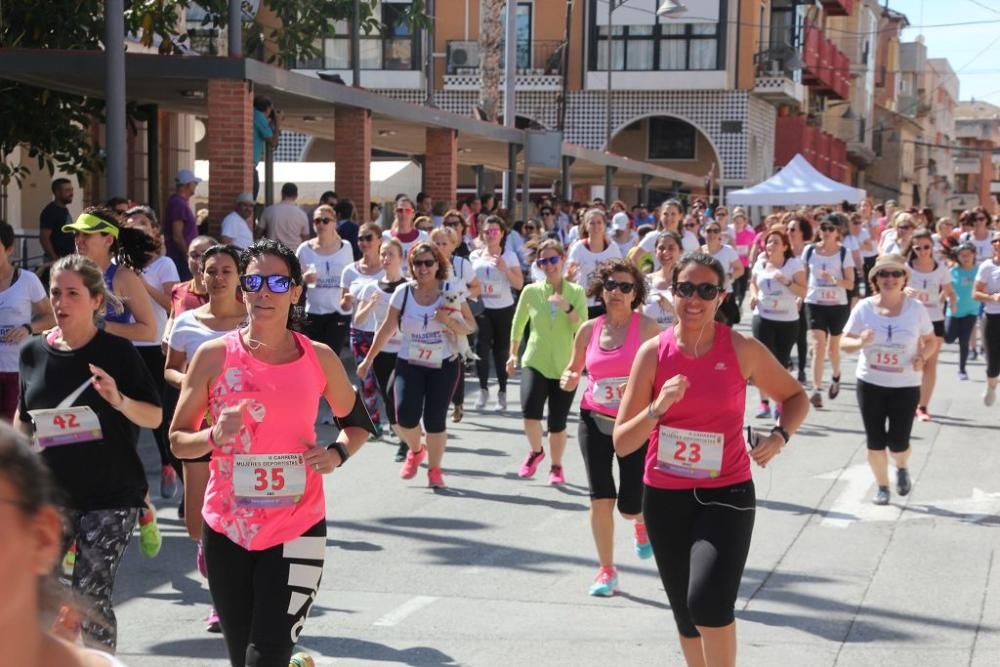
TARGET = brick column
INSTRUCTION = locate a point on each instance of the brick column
(229, 133)
(352, 153)
(441, 165)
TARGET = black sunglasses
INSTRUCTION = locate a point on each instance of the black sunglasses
(690, 225)
(612, 285)
(891, 274)
(712, 230)
(325, 221)
(366, 237)
(276, 283)
(452, 223)
(542, 261)
(426, 263)
(827, 228)
(705, 291)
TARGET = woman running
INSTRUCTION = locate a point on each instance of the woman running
(403, 229)
(26, 310)
(896, 240)
(830, 276)
(85, 393)
(987, 292)
(686, 395)
(323, 260)
(427, 367)
(659, 304)
(265, 513)
(961, 319)
(585, 255)
(896, 339)
(554, 307)
(741, 238)
(192, 293)
(499, 273)
(777, 283)
(730, 260)
(800, 235)
(605, 347)
(930, 284)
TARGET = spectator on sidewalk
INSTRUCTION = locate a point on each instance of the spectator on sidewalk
(346, 225)
(179, 224)
(265, 132)
(286, 221)
(55, 242)
(238, 226)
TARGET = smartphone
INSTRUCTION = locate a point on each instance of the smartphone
(753, 437)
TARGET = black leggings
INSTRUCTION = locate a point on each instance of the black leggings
(425, 392)
(383, 366)
(152, 356)
(330, 329)
(598, 453)
(701, 539)
(263, 597)
(777, 336)
(536, 389)
(960, 329)
(991, 341)
(801, 344)
(879, 404)
(494, 338)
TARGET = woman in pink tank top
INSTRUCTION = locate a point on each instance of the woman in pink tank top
(687, 394)
(265, 513)
(606, 346)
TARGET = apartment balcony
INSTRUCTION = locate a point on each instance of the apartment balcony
(539, 66)
(774, 78)
(853, 132)
(823, 150)
(825, 68)
(837, 7)
(963, 201)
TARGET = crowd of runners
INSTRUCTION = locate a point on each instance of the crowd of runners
(635, 307)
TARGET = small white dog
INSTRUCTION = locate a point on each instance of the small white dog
(452, 304)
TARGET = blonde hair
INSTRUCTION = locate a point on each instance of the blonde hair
(447, 232)
(902, 217)
(325, 208)
(93, 280)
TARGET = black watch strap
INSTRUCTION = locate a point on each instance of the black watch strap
(340, 449)
(782, 432)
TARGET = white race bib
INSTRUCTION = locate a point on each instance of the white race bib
(268, 480)
(66, 426)
(492, 289)
(886, 358)
(689, 453)
(828, 296)
(778, 303)
(608, 392)
(426, 349)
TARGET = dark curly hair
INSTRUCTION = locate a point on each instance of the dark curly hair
(277, 249)
(595, 289)
(132, 249)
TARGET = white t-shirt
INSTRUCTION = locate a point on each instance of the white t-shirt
(689, 243)
(928, 288)
(189, 333)
(495, 288)
(423, 339)
(464, 274)
(421, 236)
(984, 247)
(825, 293)
(354, 281)
(323, 297)
(628, 243)
(235, 227)
(378, 314)
(863, 236)
(989, 273)
(888, 361)
(15, 311)
(776, 301)
(653, 308)
(158, 272)
(588, 262)
(285, 222)
(726, 255)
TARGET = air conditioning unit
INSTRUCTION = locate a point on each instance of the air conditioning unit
(462, 55)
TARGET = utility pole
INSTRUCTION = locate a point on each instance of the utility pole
(114, 86)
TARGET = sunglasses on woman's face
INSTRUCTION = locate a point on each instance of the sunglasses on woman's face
(530, 228)
(324, 221)
(612, 285)
(712, 230)
(542, 261)
(922, 247)
(426, 263)
(494, 231)
(891, 274)
(705, 291)
(366, 237)
(253, 282)
(690, 225)
(452, 223)
(905, 227)
(827, 228)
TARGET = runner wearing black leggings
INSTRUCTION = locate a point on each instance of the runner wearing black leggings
(987, 291)
(686, 393)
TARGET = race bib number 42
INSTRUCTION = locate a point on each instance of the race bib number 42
(66, 426)
(268, 480)
(696, 454)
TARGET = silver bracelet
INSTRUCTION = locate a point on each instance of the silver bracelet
(651, 414)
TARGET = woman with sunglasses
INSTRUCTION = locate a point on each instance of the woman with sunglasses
(987, 292)
(930, 284)
(453, 220)
(960, 320)
(192, 293)
(403, 229)
(85, 393)
(427, 366)
(499, 271)
(829, 276)
(945, 240)
(730, 260)
(605, 347)
(264, 504)
(741, 237)
(588, 253)
(323, 259)
(659, 303)
(896, 339)
(800, 234)
(671, 213)
(554, 308)
(686, 395)
(980, 235)
(896, 240)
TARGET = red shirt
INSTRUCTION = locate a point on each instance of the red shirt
(182, 298)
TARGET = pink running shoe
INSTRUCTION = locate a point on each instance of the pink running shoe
(556, 476)
(200, 559)
(435, 479)
(413, 461)
(212, 622)
(530, 464)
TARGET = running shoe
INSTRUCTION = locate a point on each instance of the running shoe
(834, 389)
(377, 435)
(435, 479)
(922, 414)
(816, 399)
(401, 452)
(530, 464)
(501, 401)
(212, 622)
(973, 355)
(457, 413)
(643, 549)
(200, 561)
(764, 411)
(168, 482)
(180, 509)
(802, 376)
(413, 461)
(962, 375)
(903, 484)
(605, 583)
(484, 396)
(556, 476)
(150, 540)
(301, 660)
(69, 560)
(990, 395)
(881, 496)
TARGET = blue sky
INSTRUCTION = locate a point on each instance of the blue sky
(963, 46)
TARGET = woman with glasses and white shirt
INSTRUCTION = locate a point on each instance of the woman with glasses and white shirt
(403, 229)
(897, 240)
(323, 260)
(987, 291)
(730, 261)
(980, 235)
(585, 255)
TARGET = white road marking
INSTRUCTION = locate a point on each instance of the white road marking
(411, 606)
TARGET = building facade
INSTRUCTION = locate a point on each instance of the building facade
(977, 160)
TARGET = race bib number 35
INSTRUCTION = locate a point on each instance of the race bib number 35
(66, 426)
(696, 454)
(268, 480)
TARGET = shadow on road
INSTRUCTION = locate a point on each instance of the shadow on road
(359, 649)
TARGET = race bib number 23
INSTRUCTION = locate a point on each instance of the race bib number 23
(695, 454)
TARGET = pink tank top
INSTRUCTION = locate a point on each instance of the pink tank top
(608, 370)
(703, 444)
(262, 459)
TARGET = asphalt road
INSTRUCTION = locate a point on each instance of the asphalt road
(495, 569)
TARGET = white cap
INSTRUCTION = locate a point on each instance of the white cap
(620, 221)
(185, 176)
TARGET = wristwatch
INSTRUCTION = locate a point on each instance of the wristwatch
(782, 432)
(340, 449)
(570, 309)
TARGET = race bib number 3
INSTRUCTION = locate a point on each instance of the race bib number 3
(608, 392)
(268, 480)
(695, 454)
(66, 426)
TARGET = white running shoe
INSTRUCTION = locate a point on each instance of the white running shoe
(484, 395)
(990, 395)
(502, 401)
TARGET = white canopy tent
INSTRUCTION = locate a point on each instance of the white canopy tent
(798, 183)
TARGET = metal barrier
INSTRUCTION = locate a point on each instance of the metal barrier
(23, 258)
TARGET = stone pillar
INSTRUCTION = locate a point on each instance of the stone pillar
(352, 153)
(229, 133)
(441, 165)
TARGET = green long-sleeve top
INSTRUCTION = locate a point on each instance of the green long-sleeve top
(550, 343)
